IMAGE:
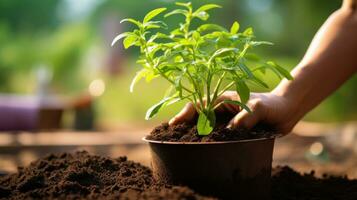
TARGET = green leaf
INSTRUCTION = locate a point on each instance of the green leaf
(169, 91)
(248, 32)
(177, 83)
(245, 69)
(252, 57)
(174, 100)
(120, 36)
(175, 12)
(187, 5)
(242, 105)
(155, 24)
(153, 49)
(276, 72)
(219, 52)
(129, 41)
(210, 27)
(153, 14)
(235, 28)
(176, 32)
(229, 67)
(281, 70)
(257, 43)
(243, 91)
(206, 123)
(201, 15)
(259, 82)
(178, 59)
(153, 110)
(161, 35)
(133, 21)
(139, 75)
(150, 76)
(261, 69)
(207, 7)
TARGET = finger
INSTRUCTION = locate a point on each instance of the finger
(226, 107)
(232, 108)
(187, 114)
(244, 119)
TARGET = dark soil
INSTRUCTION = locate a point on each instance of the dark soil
(288, 184)
(84, 176)
(188, 133)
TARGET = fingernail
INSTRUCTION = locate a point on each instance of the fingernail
(172, 121)
(230, 124)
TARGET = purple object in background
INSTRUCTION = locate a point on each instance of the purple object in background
(18, 113)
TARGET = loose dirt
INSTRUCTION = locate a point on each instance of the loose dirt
(288, 184)
(188, 133)
(84, 176)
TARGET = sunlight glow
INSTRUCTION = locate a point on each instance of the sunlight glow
(316, 148)
(96, 87)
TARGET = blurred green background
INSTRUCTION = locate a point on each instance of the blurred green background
(71, 39)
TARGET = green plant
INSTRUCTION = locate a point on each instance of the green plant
(200, 63)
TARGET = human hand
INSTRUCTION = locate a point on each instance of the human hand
(268, 108)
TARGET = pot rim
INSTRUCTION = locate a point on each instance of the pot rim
(211, 143)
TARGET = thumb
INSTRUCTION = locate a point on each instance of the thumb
(187, 114)
(244, 119)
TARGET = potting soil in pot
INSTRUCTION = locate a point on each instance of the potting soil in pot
(188, 133)
(84, 176)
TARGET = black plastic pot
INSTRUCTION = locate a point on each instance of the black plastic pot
(229, 170)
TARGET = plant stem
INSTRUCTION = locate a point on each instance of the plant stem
(194, 83)
(200, 95)
(208, 93)
(173, 82)
(188, 22)
(225, 88)
(196, 87)
(216, 89)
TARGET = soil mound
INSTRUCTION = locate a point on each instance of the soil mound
(188, 133)
(84, 176)
(288, 184)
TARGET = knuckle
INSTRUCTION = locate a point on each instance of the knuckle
(187, 106)
(255, 104)
(235, 121)
(227, 94)
(224, 96)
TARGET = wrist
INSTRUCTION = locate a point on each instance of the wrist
(293, 97)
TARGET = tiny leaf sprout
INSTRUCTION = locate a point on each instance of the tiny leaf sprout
(200, 63)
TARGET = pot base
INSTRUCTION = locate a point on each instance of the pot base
(229, 170)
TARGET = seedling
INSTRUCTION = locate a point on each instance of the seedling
(200, 63)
